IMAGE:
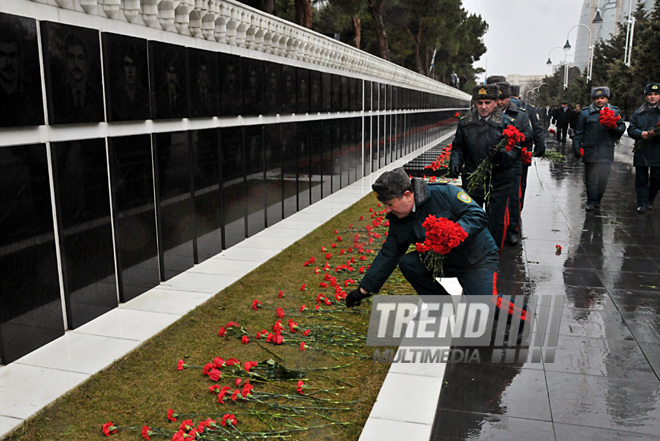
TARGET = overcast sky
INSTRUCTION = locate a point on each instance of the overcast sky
(522, 32)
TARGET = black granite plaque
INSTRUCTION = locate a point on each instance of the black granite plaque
(302, 90)
(288, 89)
(72, 65)
(382, 97)
(326, 158)
(345, 145)
(303, 171)
(352, 94)
(204, 83)
(231, 84)
(314, 91)
(174, 205)
(205, 149)
(335, 154)
(131, 176)
(326, 92)
(366, 159)
(20, 82)
(335, 97)
(126, 74)
(289, 168)
(253, 86)
(388, 95)
(360, 94)
(316, 163)
(345, 94)
(272, 90)
(167, 67)
(31, 312)
(255, 178)
(274, 182)
(234, 209)
(80, 175)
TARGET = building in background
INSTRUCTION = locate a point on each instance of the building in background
(612, 12)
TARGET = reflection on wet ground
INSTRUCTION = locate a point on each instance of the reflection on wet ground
(603, 383)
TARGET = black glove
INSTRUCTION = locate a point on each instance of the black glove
(539, 153)
(577, 153)
(354, 298)
(454, 170)
(492, 151)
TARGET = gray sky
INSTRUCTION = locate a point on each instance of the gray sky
(522, 32)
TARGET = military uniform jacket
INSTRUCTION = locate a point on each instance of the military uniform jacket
(440, 200)
(645, 118)
(473, 139)
(522, 123)
(594, 138)
(538, 134)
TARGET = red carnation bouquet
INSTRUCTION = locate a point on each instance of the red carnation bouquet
(526, 156)
(608, 119)
(640, 142)
(482, 177)
(442, 236)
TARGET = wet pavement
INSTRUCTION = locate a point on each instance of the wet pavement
(603, 383)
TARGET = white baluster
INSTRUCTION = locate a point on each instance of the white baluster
(131, 10)
(208, 25)
(150, 13)
(111, 8)
(166, 15)
(89, 6)
(195, 23)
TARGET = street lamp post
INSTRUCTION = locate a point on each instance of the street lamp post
(590, 62)
(549, 63)
(629, 35)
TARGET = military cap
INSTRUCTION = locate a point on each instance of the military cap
(564, 102)
(494, 79)
(600, 91)
(503, 90)
(485, 92)
(515, 90)
(651, 87)
(392, 184)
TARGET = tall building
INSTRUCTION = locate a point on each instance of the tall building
(612, 12)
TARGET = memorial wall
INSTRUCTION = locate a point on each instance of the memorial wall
(140, 138)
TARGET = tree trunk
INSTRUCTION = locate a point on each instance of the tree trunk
(357, 27)
(269, 7)
(376, 9)
(418, 42)
(304, 13)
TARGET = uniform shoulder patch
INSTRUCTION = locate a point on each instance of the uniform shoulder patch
(464, 197)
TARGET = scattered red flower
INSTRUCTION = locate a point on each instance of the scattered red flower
(256, 304)
(109, 428)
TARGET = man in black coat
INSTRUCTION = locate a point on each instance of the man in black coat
(643, 128)
(562, 117)
(595, 144)
(476, 138)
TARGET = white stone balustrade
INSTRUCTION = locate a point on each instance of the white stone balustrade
(236, 24)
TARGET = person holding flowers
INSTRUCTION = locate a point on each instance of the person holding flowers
(439, 218)
(477, 137)
(644, 128)
(599, 127)
(523, 124)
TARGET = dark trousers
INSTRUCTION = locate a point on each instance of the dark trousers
(561, 133)
(515, 198)
(498, 216)
(596, 175)
(646, 192)
(475, 279)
